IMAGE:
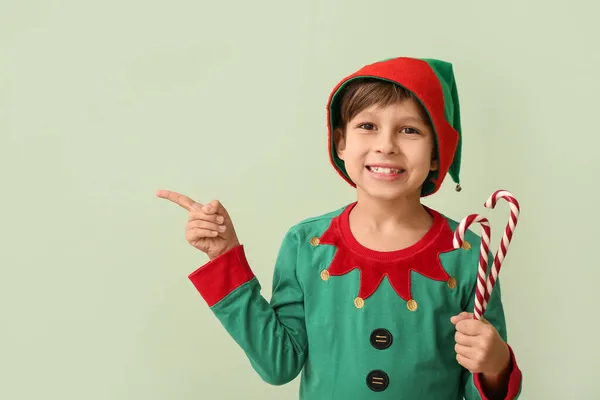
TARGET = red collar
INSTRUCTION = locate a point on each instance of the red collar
(422, 257)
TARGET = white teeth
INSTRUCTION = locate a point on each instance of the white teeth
(382, 170)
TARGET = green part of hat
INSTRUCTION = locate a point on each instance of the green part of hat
(445, 74)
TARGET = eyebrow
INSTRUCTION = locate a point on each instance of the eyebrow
(367, 114)
(418, 119)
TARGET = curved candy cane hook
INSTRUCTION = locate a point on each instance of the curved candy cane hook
(515, 210)
(486, 286)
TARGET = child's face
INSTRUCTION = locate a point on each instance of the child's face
(396, 137)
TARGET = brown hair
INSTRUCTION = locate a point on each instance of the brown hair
(366, 92)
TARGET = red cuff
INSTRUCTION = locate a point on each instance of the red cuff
(219, 277)
(514, 381)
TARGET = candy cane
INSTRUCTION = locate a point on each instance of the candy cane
(506, 238)
(483, 256)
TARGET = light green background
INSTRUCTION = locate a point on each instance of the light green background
(104, 102)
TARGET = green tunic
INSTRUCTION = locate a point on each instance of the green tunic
(356, 323)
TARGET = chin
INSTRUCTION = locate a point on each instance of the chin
(389, 193)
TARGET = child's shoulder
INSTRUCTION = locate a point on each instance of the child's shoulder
(315, 226)
(324, 218)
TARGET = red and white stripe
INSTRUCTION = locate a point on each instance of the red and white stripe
(506, 238)
(486, 233)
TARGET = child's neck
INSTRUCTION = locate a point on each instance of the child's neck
(389, 225)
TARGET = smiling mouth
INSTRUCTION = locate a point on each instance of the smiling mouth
(385, 170)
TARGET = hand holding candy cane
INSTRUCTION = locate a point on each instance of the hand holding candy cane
(485, 288)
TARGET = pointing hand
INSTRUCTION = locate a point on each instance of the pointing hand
(209, 227)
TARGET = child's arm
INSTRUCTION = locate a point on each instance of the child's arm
(273, 335)
(506, 387)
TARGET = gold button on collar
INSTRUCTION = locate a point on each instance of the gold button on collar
(452, 282)
(411, 305)
(325, 275)
(314, 241)
(359, 302)
(466, 245)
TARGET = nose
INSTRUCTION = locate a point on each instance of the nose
(386, 143)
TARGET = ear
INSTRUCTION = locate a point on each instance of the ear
(340, 142)
(435, 165)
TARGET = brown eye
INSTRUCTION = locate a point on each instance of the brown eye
(410, 131)
(368, 127)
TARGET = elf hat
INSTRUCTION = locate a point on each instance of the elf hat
(432, 82)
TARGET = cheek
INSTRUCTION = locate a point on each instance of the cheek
(421, 153)
(354, 160)
(356, 150)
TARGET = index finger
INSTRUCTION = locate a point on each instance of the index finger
(462, 316)
(469, 327)
(177, 198)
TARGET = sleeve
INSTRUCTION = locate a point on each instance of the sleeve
(272, 334)
(494, 314)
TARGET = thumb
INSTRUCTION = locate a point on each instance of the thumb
(460, 317)
(215, 207)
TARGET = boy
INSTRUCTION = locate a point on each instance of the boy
(368, 301)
